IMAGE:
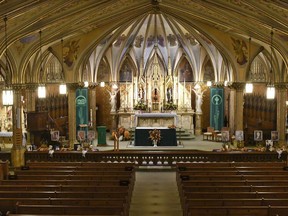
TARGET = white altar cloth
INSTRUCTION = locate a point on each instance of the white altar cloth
(6, 134)
(155, 116)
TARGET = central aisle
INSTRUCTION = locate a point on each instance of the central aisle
(155, 193)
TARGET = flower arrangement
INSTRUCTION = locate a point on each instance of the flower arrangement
(121, 133)
(155, 135)
(170, 106)
(140, 106)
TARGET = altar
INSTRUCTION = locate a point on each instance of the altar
(6, 139)
(155, 119)
(168, 136)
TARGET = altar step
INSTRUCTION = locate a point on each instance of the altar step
(181, 134)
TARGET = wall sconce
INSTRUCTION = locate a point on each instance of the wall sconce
(270, 93)
(209, 83)
(86, 84)
(102, 84)
(63, 89)
(249, 88)
(41, 92)
(7, 97)
(249, 85)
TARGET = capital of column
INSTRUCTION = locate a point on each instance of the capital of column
(238, 86)
(74, 86)
(281, 86)
(31, 86)
(17, 88)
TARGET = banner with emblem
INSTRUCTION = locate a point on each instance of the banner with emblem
(217, 108)
(82, 112)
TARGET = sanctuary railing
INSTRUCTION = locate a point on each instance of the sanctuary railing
(157, 158)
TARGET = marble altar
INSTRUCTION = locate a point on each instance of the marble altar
(155, 119)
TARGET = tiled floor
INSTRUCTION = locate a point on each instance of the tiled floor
(155, 193)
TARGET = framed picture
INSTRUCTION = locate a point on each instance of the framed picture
(225, 136)
(239, 135)
(81, 135)
(55, 135)
(274, 135)
(91, 135)
(258, 135)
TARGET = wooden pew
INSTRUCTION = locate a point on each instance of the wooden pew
(74, 177)
(79, 164)
(9, 204)
(42, 188)
(237, 210)
(233, 164)
(97, 182)
(233, 189)
(69, 210)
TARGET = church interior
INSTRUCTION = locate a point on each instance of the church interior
(162, 87)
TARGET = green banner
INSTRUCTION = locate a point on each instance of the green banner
(82, 109)
(217, 108)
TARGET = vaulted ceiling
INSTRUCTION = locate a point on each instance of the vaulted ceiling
(140, 29)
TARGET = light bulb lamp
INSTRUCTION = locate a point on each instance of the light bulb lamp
(41, 88)
(62, 87)
(7, 94)
(270, 93)
(7, 97)
(249, 85)
(41, 91)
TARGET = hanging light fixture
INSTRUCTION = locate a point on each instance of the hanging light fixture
(7, 94)
(249, 85)
(41, 88)
(270, 94)
(62, 87)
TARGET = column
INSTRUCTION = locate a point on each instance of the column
(30, 105)
(281, 112)
(17, 151)
(238, 106)
(72, 113)
(92, 106)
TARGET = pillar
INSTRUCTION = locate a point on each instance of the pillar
(17, 151)
(72, 113)
(92, 106)
(238, 107)
(281, 112)
(30, 102)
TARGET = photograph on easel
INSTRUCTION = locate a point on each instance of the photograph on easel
(239, 135)
(274, 135)
(54, 135)
(258, 135)
(81, 135)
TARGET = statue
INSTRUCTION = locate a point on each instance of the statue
(113, 101)
(199, 99)
(169, 95)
